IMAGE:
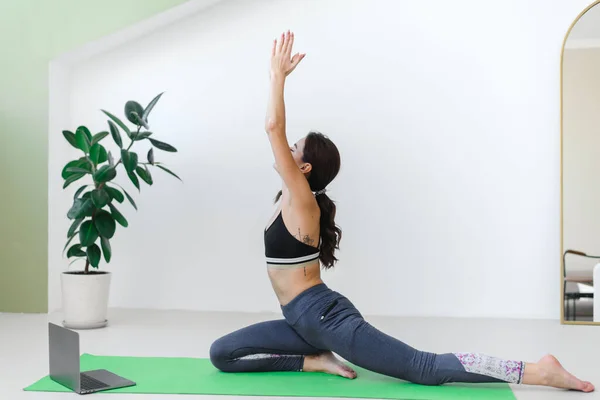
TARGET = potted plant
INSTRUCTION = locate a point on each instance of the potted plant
(94, 211)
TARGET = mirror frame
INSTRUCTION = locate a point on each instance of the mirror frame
(562, 250)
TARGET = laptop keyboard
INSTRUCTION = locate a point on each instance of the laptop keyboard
(89, 383)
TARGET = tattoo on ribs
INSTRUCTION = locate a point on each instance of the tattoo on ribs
(306, 239)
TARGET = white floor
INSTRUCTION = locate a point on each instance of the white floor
(24, 347)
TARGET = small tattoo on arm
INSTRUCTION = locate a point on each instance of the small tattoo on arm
(306, 239)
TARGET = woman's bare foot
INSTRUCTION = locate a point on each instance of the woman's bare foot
(328, 363)
(549, 372)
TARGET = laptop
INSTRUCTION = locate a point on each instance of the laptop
(65, 369)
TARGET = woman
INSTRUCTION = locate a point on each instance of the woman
(318, 321)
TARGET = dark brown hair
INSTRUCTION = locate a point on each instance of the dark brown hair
(323, 155)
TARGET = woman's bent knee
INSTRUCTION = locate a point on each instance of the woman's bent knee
(220, 355)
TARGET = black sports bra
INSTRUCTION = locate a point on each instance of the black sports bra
(284, 250)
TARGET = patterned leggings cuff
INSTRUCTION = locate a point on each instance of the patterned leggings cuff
(521, 373)
(498, 368)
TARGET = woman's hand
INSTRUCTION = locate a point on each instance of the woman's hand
(282, 61)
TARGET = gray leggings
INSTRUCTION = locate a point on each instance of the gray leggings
(320, 320)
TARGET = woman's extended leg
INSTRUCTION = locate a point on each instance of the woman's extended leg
(376, 351)
(271, 346)
(328, 320)
(360, 343)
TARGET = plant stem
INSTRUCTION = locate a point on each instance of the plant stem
(129, 147)
(87, 260)
(91, 164)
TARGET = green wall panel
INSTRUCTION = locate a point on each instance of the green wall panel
(33, 33)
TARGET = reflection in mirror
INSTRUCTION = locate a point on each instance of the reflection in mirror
(581, 170)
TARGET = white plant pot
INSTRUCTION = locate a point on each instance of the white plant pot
(85, 299)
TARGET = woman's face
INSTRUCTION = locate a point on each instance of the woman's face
(297, 150)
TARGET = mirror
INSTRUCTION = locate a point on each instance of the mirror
(580, 170)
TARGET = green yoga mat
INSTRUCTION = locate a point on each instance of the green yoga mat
(198, 376)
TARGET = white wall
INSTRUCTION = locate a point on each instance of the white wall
(446, 114)
(59, 153)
